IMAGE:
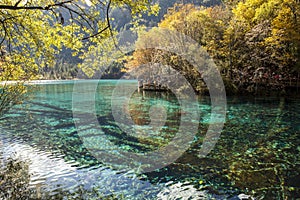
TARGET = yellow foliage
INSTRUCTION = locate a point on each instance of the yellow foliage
(34, 32)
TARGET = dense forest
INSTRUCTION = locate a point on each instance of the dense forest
(254, 43)
(121, 20)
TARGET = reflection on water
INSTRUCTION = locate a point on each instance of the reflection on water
(257, 154)
(52, 176)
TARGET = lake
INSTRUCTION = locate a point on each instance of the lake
(82, 142)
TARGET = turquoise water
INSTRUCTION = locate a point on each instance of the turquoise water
(74, 135)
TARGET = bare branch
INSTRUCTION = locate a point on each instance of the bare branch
(107, 16)
(81, 15)
(5, 32)
(48, 7)
(98, 33)
(17, 3)
(104, 29)
(109, 26)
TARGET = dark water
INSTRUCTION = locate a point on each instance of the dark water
(79, 144)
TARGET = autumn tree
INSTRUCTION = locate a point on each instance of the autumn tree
(262, 42)
(34, 32)
(204, 25)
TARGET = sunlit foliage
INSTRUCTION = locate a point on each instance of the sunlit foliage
(34, 32)
(255, 44)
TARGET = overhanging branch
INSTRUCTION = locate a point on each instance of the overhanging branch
(104, 29)
(48, 7)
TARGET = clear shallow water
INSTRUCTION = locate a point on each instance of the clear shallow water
(257, 153)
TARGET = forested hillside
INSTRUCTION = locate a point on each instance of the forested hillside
(121, 19)
(255, 44)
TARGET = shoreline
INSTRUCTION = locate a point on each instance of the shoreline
(31, 82)
(288, 91)
(34, 81)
